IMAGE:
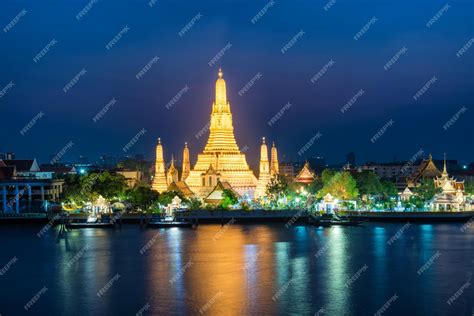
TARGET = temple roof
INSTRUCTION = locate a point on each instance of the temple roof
(427, 169)
(216, 194)
(181, 187)
(306, 175)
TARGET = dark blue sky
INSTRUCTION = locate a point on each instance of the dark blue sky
(256, 48)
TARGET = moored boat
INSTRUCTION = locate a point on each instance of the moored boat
(333, 220)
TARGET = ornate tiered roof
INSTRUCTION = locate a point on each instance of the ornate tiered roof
(306, 175)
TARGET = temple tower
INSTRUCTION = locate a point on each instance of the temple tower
(186, 168)
(264, 176)
(221, 150)
(172, 175)
(274, 166)
(159, 180)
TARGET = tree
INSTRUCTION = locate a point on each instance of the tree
(166, 197)
(142, 197)
(327, 175)
(469, 187)
(228, 198)
(195, 204)
(109, 185)
(368, 183)
(315, 186)
(389, 194)
(342, 186)
(426, 190)
(276, 187)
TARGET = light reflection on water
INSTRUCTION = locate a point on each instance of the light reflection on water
(253, 269)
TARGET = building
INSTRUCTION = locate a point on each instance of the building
(221, 161)
(452, 196)
(391, 170)
(306, 175)
(25, 188)
(7, 156)
(287, 170)
(133, 177)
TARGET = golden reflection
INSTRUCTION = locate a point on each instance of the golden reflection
(337, 267)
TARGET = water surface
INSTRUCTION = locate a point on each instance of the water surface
(238, 269)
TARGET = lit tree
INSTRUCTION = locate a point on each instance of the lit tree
(276, 188)
(342, 186)
(228, 198)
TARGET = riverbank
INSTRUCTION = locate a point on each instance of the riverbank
(254, 216)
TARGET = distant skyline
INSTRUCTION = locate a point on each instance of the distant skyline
(382, 80)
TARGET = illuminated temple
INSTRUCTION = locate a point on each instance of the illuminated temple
(221, 164)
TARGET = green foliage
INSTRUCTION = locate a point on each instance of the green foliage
(142, 197)
(426, 190)
(389, 189)
(87, 188)
(276, 188)
(315, 186)
(469, 187)
(228, 198)
(109, 185)
(166, 197)
(327, 175)
(195, 204)
(341, 186)
(368, 183)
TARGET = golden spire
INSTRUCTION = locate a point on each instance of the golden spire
(221, 93)
(186, 167)
(445, 170)
(159, 179)
(172, 175)
(263, 153)
(264, 176)
(275, 168)
(172, 161)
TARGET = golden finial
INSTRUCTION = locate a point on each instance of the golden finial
(159, 141)
(445, 171)
(263, 139)
(186, 144)
(220, 74)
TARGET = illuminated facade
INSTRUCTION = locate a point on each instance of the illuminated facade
(452, 196)
(264, 175)
(159, 180)
(221, 161)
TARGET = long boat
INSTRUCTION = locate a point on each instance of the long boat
(170, 221)
(332, 220)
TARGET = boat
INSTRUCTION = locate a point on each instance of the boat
(170, 221)
(333, 220)
(89, 225)
(92, 221)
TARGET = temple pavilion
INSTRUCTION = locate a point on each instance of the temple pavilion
(452, 196)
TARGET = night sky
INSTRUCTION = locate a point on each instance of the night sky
(319, 35)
